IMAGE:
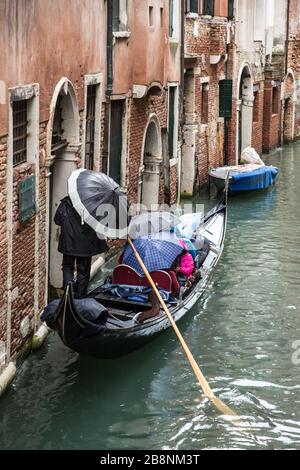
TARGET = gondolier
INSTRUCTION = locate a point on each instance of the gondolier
(78, 243)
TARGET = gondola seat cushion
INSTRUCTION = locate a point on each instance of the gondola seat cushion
(125, 275)
(162, 279)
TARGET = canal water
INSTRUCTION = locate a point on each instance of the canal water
(243, 333)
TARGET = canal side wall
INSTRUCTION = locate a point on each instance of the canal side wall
(55, 65)
(56, 91)
(32, 76)
(205, 66)
(293, 74)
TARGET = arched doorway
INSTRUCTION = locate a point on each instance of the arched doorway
(289, 108)
(150, 170)
(245, 110)
(62, 150)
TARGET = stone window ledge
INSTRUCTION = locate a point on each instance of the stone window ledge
(173, 162)
(122, 34)
(192, 15)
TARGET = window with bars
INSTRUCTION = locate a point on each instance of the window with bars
(208, 7)
(20, 132)
(90, 126)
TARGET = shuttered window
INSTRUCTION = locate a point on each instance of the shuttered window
(116, 140)
(275, 100)
(209, 7)
(192, 6)
(171, 127)
(171, 18)
(90, 126)
(225, 98)
(20, 132)
(230, 8)
(120, 16)
(27, 207)
(116, 15)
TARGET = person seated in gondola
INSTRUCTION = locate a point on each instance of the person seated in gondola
(184, 267)
(78, 243)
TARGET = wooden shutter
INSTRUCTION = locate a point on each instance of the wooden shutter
(225, 98)
(116, 138)
(116, 15)
(27, 207)
(230, 8)
(209, 7)
(171, 17)
(192, 6)
(171, 127)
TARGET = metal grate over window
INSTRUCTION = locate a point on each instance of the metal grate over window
(20, 124)
(90, 126)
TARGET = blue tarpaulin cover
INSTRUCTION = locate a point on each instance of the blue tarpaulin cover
(258, 179)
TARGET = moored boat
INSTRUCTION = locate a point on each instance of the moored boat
(122, 332)
(248, 177)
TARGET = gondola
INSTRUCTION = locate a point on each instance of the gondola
(122, 334)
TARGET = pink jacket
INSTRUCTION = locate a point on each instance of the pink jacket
(186, 263)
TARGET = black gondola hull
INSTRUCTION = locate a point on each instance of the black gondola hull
(124, 337)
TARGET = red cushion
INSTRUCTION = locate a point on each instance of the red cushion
(175, 284)
(161, 279)
(124, 274)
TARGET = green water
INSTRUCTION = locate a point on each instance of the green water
(241, 333)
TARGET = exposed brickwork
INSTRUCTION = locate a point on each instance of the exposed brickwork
(294, 67)
(23, 258)
(140, 112)
(258, 119)
(205, 38)
(3, 239)
(272, 122)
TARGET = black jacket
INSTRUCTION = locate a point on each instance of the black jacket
(76, 239)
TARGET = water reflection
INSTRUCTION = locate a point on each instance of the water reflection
(241, 333)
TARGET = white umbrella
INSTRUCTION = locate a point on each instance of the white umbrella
(150, 223)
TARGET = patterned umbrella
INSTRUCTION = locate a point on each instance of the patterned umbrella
(156, 253)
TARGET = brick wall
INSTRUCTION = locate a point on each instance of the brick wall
(294, 65)
(272, 122)
(205, 38)
(140, 112)
(23, 261)
(3, 239)
(258, 119)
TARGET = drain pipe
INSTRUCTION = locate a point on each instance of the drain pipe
(109, 57)
(182, 50)
(287, 37)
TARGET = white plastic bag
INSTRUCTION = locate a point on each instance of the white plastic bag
(249, 155)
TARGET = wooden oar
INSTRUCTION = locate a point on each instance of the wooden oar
(224, 409)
